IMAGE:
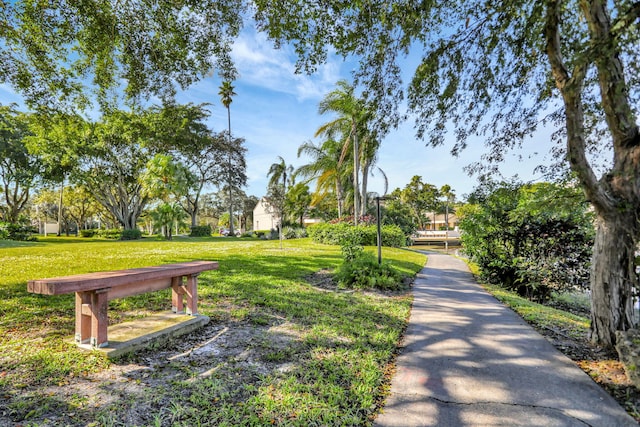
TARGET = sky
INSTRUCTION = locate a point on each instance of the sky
(275, 111)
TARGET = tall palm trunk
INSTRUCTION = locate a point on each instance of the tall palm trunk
(339, 195)
(356, 168)
(60, 209)
(231, 231)
(365, 180)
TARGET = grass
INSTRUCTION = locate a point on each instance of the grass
(343, 341)
(539, 315)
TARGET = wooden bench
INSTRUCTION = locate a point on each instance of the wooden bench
(94, 291)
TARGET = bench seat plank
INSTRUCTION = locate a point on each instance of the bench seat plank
(110, 279)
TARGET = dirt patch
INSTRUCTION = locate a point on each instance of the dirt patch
(242, 351)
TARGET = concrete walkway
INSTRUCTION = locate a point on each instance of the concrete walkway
(467, 360)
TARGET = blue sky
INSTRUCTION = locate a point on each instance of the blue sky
(275, 110)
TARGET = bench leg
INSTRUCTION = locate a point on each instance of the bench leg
(99, 318)
(83, 317)
(191, 289)
(177, 295)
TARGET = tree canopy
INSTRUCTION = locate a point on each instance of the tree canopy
(19, 169)
(51, 51)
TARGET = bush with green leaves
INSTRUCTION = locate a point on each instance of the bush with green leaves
(361, 270)
(17, 231)
(200, 231)
(88, 233)
(109, 233)
(365, 273)
(296, 232)
(533, 239)
(273, 234)
(350, 246)
(131, 234)
(334, 234)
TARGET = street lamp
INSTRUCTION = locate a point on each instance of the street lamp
(379, 228)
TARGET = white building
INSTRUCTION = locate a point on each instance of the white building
(262, 218)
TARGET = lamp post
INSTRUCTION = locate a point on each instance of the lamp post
(379, 227)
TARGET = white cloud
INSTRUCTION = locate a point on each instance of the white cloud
(260, 64)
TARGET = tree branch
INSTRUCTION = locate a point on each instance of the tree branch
(570, 87)
(613, 87)
(625, 20)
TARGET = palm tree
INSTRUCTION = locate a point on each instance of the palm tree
(369, 147)
(327, 168)
(278, 192)
(280, 170)
(449, 198)
(351, 125)
(226, 93)
(350, 110)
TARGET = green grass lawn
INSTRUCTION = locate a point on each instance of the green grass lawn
(345, 340)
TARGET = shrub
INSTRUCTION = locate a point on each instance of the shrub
(334, 234)
(17, 231)
(88, 233)
(296, 232)
(109, 233)
(273, 234)
(364, 272)
(131, 234)
(533, 239)
(350, 245)
(360, 270)
(201, 231)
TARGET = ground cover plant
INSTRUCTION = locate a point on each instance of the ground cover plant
(282, 346)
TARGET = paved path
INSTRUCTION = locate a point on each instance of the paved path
(467, 360)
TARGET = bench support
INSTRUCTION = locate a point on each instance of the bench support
(188, 290)
(91, 307)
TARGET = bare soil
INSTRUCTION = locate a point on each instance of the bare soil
(138, 385)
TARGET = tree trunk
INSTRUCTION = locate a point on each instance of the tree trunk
(339, 197)
(613, 277)
(615, 197)
(365, 182)
(60, 209)
(231, 231)
(356, 167)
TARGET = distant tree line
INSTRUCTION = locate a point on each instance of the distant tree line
(148, 166)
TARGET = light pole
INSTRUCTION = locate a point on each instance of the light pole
(379, 227)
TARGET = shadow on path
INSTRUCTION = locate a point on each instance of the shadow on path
(467, 360)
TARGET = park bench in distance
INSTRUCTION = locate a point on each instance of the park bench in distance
(94, 290)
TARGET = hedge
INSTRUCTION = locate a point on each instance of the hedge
(366, 235)
(201, 231)
(13, 231)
